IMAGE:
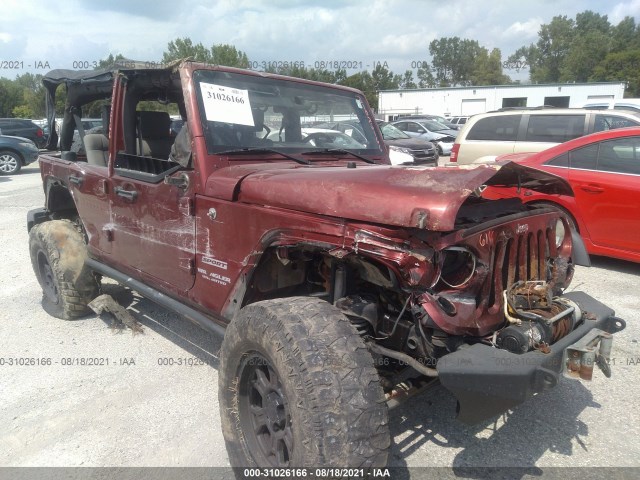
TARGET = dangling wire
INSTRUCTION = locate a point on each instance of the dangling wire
(393, 330)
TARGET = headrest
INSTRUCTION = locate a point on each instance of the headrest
(154, 124)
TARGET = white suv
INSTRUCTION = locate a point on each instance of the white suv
(488, 135)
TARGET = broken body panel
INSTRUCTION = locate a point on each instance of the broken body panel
(420, 263)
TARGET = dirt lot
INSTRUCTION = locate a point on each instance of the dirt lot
(88, 396)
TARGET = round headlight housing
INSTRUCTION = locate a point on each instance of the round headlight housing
(458, 266)
(561, 232)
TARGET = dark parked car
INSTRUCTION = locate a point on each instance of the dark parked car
(430, 130)
(20, 127)
(16, 152)
(438, 118)
(458, 121)
(421, 150)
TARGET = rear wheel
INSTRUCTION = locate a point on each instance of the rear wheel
(58, 255)
(10, 162)
(298, 388)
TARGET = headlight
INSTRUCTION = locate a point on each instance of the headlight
(400, 149)
(560, 232)
(458, 266)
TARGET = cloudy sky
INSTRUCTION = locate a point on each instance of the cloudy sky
(38, 34)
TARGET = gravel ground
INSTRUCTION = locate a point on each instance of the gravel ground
(136, 409)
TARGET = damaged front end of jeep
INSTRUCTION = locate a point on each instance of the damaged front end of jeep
(471, 294)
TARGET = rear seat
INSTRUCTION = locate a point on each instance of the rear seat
(97, 149)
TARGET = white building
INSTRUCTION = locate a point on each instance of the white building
(455, 101)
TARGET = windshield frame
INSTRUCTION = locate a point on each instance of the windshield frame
(274, 101)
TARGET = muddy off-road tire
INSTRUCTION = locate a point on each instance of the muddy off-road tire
(298, 388)
(58, 254)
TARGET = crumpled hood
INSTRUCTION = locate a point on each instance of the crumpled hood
(395, 196)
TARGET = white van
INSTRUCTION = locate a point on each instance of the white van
(488, 135)
(629, 104)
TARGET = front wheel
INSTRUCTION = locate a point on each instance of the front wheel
(10, 162)
(58, 255)
(298, 388)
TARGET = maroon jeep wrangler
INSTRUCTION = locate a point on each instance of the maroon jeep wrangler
(341, 284)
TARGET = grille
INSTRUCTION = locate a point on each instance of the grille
(522, 257)
(423, 153)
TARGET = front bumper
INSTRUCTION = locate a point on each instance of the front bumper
(487, 381)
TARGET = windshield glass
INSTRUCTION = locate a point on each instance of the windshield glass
(245, 111)
(390, 132)
(434, 126)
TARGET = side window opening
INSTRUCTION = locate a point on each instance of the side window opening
(497, 128)
(585, 158)
(620, 156)
(554, 128)
(560, 160)
(153, 149)
(607, 122)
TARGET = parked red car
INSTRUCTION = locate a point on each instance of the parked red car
(604, 172)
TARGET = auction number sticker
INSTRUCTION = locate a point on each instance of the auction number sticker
(226, 104)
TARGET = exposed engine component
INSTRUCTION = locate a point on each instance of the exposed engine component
(362, 311)
(537, 319)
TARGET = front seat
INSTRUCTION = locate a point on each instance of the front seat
(154, 132)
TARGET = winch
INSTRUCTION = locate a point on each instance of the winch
(536, 319)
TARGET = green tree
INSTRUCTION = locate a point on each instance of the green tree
(591, 43)
(425, 77)
(488, 69)
(110, 61)
(625, 35)
(589, 21)
(220, 54)
(546, 58)
(553, 45)
(454, 60)
(223, 54)
(620, 66)
(587, 50)
(406, 81)
(32, 104)
(183, 48)
(10, 96)
(383, 79)
(363, 81)
(22, 111)
(318, 75)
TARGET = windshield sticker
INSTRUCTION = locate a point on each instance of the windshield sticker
(359, 103)
(225, 104)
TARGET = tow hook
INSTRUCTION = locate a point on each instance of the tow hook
(579, 358)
